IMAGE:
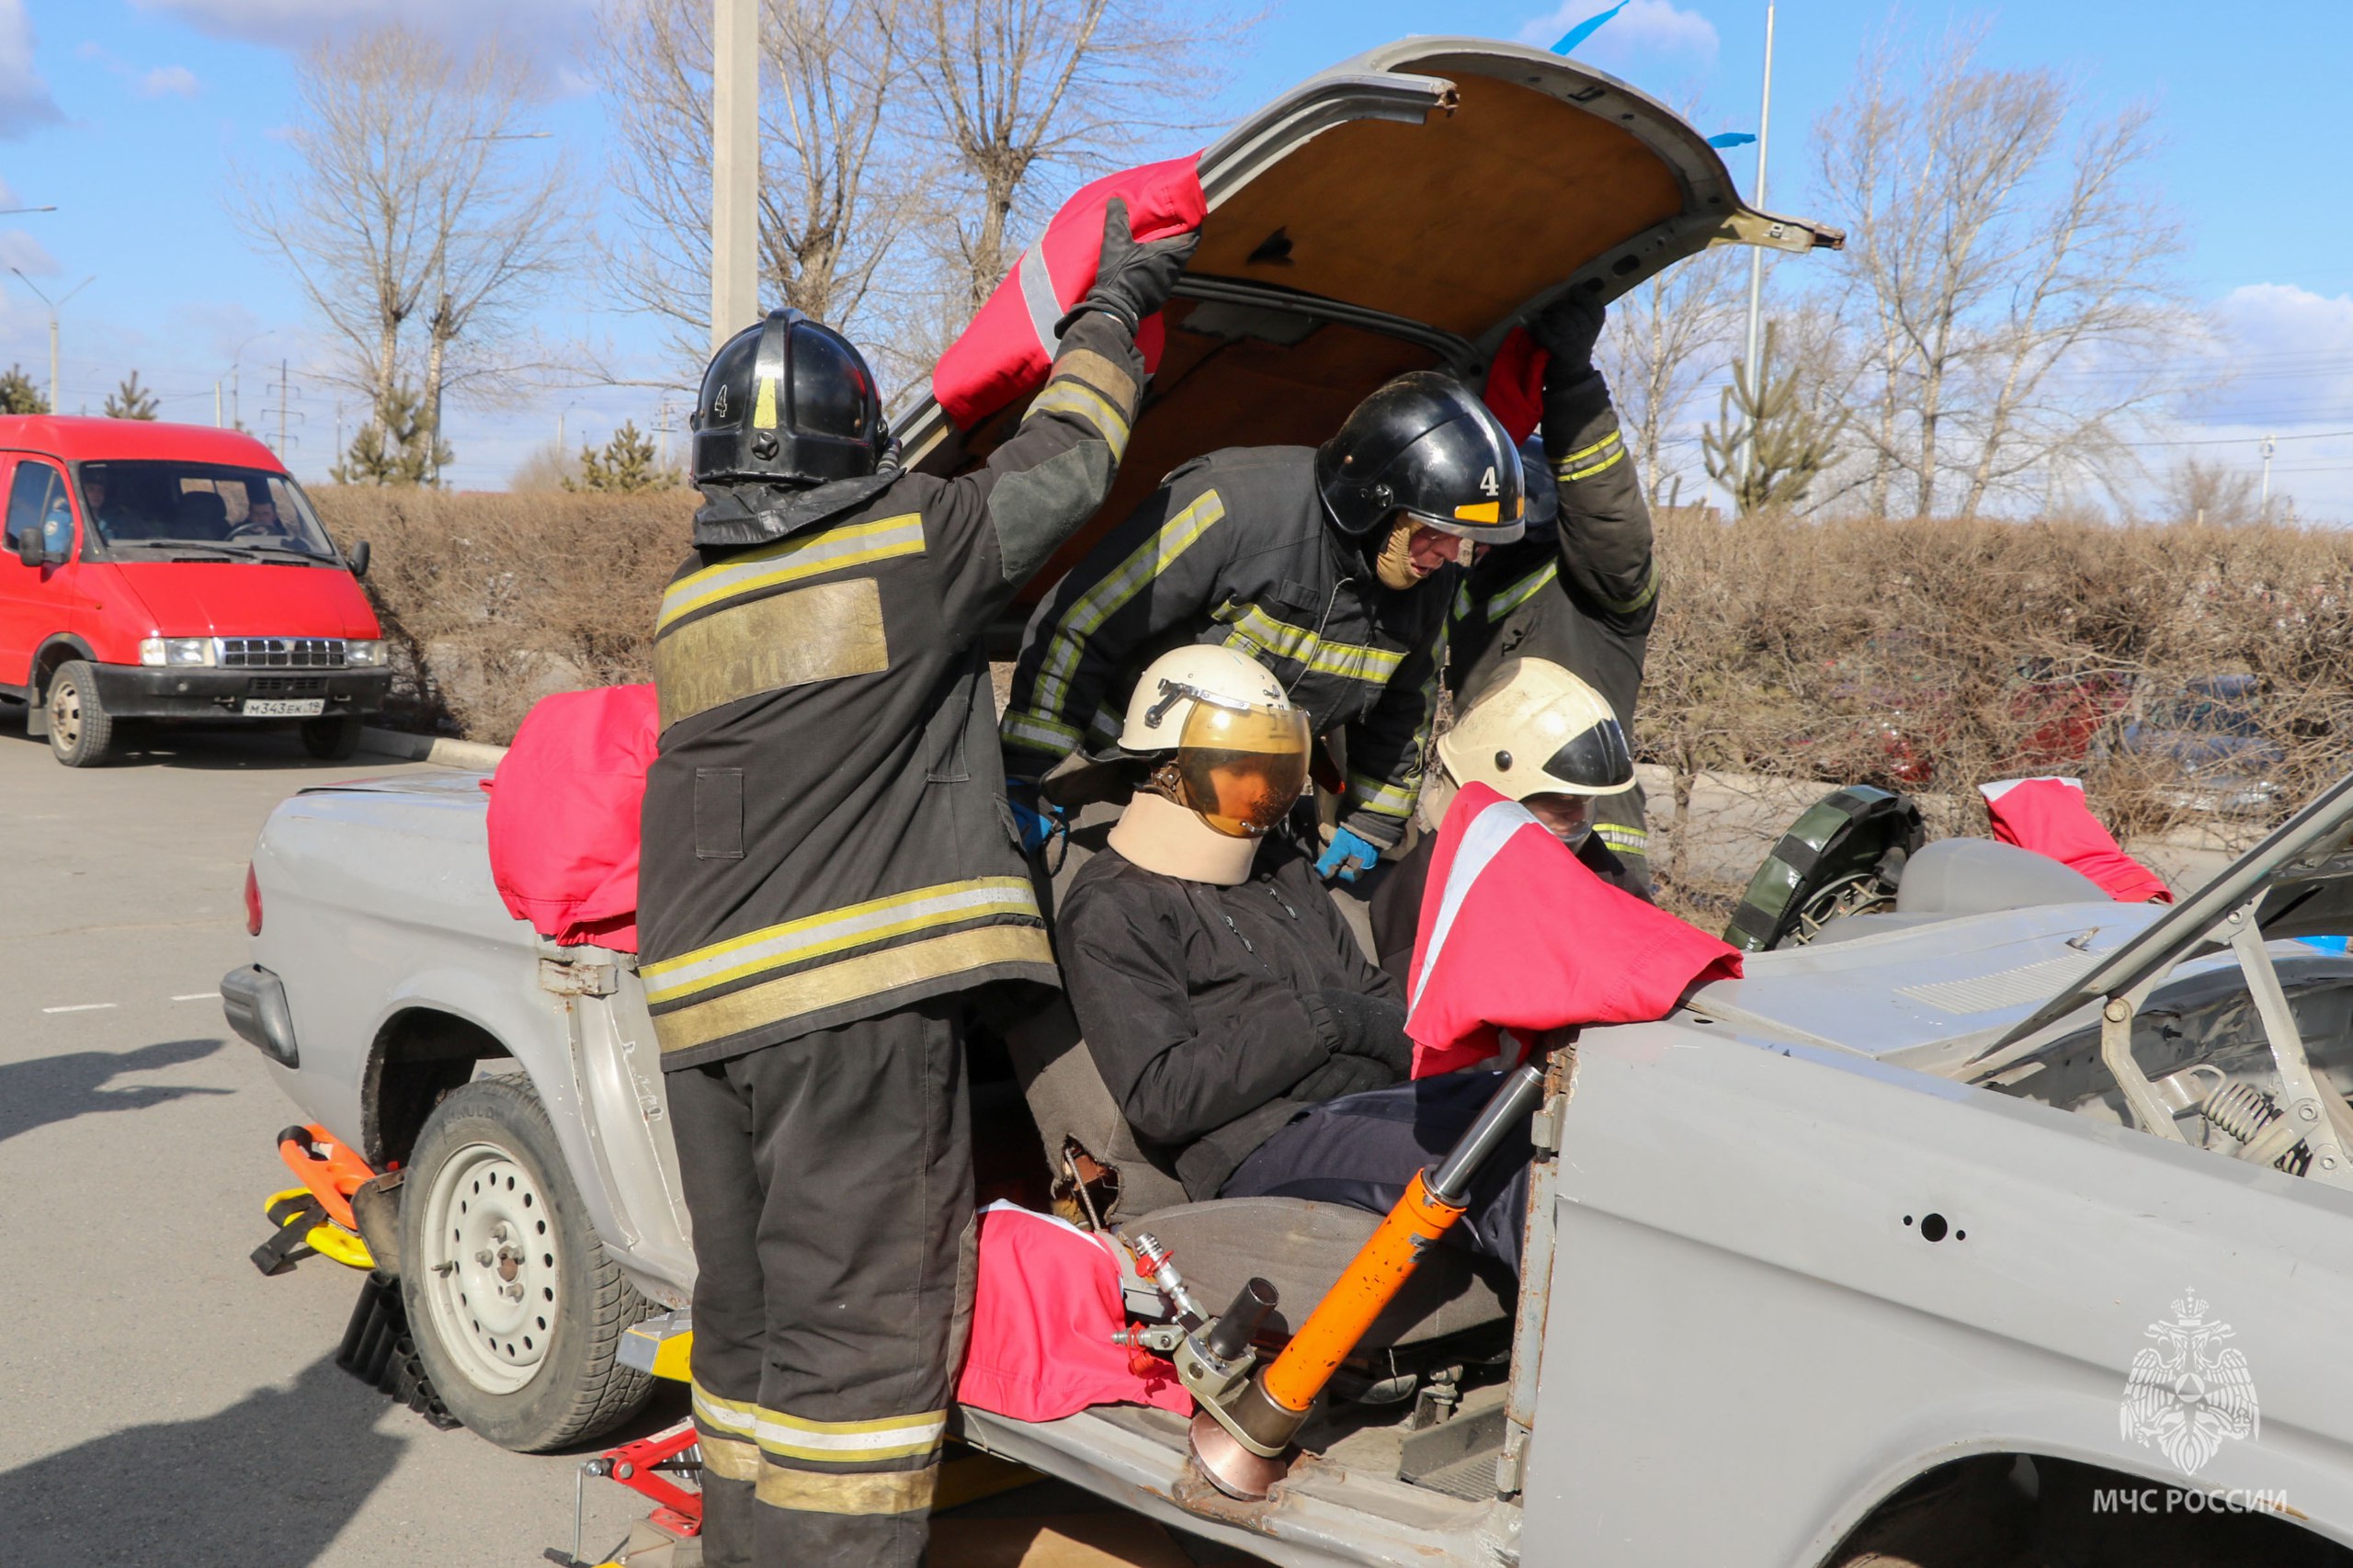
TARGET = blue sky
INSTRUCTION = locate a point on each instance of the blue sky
(129, 115)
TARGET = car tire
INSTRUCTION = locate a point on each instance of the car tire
(81, 731)
(530, 1371)
(334, 738)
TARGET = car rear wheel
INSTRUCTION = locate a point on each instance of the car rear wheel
(334, 738)
(517, 1311)
(81, 731)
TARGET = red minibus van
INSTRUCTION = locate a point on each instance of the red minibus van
(153, 571)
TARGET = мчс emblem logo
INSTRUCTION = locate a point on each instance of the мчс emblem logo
(2188, 1393)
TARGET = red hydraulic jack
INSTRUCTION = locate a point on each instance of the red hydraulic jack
(646, 1467)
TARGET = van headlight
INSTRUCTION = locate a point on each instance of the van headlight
(363, 655)
(175, 650)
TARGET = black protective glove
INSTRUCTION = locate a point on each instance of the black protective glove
(1567, 331)
(1340, 1075)
(1131, 280)
(1372, 1028)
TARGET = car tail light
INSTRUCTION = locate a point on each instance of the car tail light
(253, 902)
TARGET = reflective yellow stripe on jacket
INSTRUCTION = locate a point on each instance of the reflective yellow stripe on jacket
(1258, 633)
(805, 966)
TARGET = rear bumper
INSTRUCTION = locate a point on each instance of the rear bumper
(253, 1001)
(139, 692)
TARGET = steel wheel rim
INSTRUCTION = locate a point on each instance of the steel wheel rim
(65, 714)
(492, 1267)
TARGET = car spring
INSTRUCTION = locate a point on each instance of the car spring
(2245, 1112)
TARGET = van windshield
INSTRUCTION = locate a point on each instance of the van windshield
(232, 510)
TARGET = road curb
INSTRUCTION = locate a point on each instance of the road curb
(473, 755)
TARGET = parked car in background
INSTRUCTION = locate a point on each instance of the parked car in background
(173, 572)
(2210, 731)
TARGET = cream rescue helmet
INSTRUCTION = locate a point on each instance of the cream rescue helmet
(1233, 748)
(1534, 729)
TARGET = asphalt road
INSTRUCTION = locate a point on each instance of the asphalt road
(162, 1402)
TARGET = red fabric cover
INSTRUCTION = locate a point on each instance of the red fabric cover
(999, 358)
(563, 814)
(1045, 1304)
(1517, 934)
(2050, 817)
(1516, 383)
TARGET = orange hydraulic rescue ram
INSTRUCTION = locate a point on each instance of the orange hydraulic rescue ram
(1240, 1449)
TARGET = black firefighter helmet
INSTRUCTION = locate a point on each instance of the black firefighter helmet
(791, 402)
(1425, 445)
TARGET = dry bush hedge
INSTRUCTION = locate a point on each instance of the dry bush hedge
(492, 601)
(1930, 656)
(1933, 655)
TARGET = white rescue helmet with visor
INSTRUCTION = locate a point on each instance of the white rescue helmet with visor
(1231, 747)
(1535, 734)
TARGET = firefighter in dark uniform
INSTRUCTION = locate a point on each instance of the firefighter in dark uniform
(828, 868)
(1331, 565)
(1581, 588)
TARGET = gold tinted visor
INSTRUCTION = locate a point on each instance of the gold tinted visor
(1242, 768)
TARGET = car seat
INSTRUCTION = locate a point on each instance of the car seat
(1301, 1247)
(201, 515)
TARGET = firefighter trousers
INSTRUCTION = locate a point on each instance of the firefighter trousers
(829, 1182)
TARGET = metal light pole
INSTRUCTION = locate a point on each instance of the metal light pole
(734, 167)
(2270, 444)
(1753, 359)
(54, 306)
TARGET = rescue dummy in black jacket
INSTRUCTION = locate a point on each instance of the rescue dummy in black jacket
(1331, 565)
(1228, 1008)
(1581, 588)
(828, 867)
(1537, 734)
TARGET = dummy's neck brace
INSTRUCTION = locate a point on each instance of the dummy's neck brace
(1161, 836)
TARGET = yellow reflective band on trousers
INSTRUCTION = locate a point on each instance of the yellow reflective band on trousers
(728, 1458)
(871, 1492)
(850, 979)
(1519, 593)
(776, 565)
(1349, 661)
(829, 631)
(1103, 601)
(781, 1435)
(1075, 397)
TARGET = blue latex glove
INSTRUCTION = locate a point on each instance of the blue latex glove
(1348, 858)
(1036, 819)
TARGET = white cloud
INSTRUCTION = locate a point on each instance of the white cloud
(1645, 31)
(174, 80)
(21, 251)
(24, 101)
(543, 29)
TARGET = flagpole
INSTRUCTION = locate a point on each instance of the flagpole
(1755, 349)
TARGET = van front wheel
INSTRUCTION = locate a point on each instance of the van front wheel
(81, 731)
(334, 738)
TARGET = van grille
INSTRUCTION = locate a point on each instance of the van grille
(287, 686)
(281, 652)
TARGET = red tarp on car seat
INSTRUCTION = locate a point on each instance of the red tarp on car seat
(1004, 354)
(2050, 817)
(563, 814)
(1045, 1304)
(1517, 934)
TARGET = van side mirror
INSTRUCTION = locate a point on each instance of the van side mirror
(356, 558)
(29, 549)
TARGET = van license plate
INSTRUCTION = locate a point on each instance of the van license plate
(284, 706)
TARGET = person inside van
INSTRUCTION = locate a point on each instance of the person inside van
(1250, 1044)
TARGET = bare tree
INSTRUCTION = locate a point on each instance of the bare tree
(2009, 285)
(843, 175)
(1026, 86)
(2212, 494)
(411, 196)
(1664, 338)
